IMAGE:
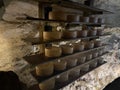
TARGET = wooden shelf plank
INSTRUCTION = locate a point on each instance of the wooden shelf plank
(48, 20)
(42, 79)
(40, 58)
(59, 86)
(36, 41)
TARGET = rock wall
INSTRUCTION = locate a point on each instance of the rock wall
(12, 35)
(13, 47)
(111, 5)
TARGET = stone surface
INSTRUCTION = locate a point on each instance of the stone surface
(13, 47)
(17, 8)
(110, 5)
(12, 35)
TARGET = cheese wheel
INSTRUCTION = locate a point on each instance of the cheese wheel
(89, 45)
(81, 59)
(73, 18)
(82, 33)
(95, 54)
(60, 65)
(100, 61)
(67, 49)
(100, 32)
(69, 34)
(48, 84)
(53, 52)
(44, 69)
(53, 35)
(78, 46)
(85, 68)
(93, 64)
(57, 15)
(72, 62)
(84, 19)
(62, 78)
(89, 57)
(94, 19)
(75, 72)
(97, 43)
(92, 32)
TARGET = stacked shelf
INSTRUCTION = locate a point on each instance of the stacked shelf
(61, 21)
(42, 79)
(40, 59)
(69, 5)
(36, 41)
(59, 86)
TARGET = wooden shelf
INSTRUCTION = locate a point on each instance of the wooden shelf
(60, 21)
(89, 24)
(59, 86)
(36, 41)
(42, 79)
(40, 58)
(75, 5)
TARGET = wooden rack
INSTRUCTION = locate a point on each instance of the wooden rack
(48, 20)
(59, 86)
(41, 79)
(38, 59)
(36, 41)
(61, 21)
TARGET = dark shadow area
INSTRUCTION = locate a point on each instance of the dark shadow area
(10, 81)
(115, 85)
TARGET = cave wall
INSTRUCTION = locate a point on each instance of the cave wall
(12, 35)
(111, 5)
(13, 47)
